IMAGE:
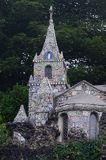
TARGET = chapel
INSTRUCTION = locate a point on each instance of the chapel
(78, 108)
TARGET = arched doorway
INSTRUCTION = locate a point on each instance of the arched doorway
(93, 129)
(48, 72)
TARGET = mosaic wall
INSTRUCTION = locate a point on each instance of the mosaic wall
(79, 113)
(79, 119)
(58, 72)
(40, 102)
(41, 92)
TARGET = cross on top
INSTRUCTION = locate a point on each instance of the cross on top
(51, 13)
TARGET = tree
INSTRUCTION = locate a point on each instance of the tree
(11, 101)
(92, 74)
(3, 132)
(76, 11)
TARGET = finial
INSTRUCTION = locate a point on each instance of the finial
(35, 58)
(31, 78)
(51, 13)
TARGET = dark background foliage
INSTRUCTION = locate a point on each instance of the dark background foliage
(73, 150)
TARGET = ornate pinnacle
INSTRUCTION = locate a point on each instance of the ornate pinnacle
(51, 13)
(31, 78)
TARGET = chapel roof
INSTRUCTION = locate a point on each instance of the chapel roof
(84, 98)
(101, 87)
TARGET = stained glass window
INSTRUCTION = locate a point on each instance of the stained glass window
(48, 55)
(93, 126)
(65, 126)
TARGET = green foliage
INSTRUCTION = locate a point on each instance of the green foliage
(79, 150)
(75, 11)
(3, 132)
(93, 74)
(41, 157)
(74, 150)
(11, 101)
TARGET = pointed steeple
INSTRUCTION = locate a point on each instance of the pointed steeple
(21, 115)
(31, 78)
(50, 44)
(35, 58)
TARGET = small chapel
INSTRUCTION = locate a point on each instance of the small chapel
(78, 108)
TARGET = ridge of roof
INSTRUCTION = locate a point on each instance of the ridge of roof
(83, 81)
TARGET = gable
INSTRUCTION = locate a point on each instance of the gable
(79, 88)
(85, 87)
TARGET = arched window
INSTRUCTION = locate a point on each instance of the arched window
(48, 72)
(64, 126)
(48, 55)
(93, 126)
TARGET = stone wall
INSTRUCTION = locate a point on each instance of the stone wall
(102, 126)
(79, 120)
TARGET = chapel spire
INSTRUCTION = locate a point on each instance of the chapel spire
(50, 44)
